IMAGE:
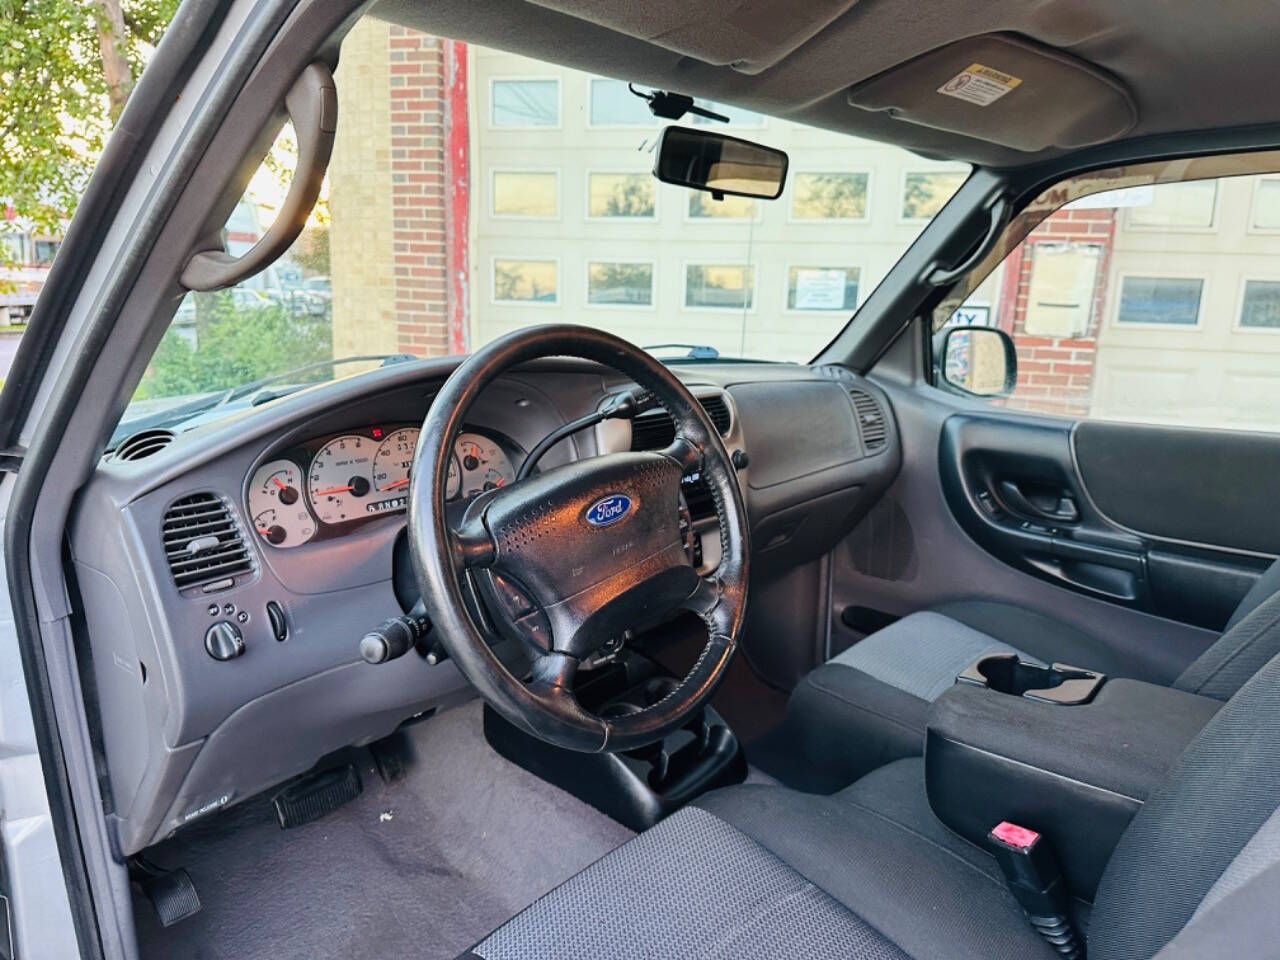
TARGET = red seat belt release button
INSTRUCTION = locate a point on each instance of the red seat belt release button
(1014, 835)
(1034, 879)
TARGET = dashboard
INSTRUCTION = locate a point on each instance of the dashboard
(225, 577)
(328, 485)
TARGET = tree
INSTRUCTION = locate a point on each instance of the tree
(236, 344)
(67, 68)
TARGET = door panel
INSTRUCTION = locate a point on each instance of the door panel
(1013, 484)
(1212, 487)
(913, 551)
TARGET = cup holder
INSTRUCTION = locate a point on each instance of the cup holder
(1060, 684)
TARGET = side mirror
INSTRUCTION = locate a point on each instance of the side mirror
(975, 361)
(722, 165)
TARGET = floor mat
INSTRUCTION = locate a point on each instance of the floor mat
(421, 868)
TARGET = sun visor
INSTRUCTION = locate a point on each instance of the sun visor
(1004, 90)
(748, 35)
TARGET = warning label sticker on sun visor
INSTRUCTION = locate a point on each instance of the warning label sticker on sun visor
(979, 84)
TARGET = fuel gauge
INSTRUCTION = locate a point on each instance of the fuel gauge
(280, 514)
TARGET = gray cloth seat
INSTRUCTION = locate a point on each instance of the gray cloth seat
(756, 872)
(763, 871)
(868, 705)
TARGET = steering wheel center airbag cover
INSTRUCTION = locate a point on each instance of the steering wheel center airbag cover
(544, 532)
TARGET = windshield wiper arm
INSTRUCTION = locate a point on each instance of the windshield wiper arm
(696, 351)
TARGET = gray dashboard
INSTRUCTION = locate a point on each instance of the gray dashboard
(184, 734)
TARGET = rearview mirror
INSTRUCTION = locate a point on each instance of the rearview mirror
(976, 361)
(721, 165)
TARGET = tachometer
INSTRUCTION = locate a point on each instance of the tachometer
(340, 479)
(280, 516)
(483, 464)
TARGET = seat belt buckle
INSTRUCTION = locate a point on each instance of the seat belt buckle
(1035, 880)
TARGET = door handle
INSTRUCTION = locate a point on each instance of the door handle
(1059, 508)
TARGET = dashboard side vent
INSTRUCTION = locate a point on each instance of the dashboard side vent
(654, 430)
(202, 541)
(143, 444)
(870, 420)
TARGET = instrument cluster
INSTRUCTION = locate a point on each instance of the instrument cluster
(322, 487)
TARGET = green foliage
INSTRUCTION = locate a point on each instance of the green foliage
(54, 102)
(234, 344)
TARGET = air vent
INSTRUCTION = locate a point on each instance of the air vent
(655, 430)
(142, 445)
(202, 541)
(870, 420)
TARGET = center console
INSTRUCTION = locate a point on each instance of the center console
(640, 787)
(1067, 752)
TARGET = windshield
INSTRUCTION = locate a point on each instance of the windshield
(472, 192)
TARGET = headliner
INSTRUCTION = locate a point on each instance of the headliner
(1187, 66)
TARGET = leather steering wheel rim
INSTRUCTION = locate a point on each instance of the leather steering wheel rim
(534, 526)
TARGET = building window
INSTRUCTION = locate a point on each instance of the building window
(925, 192)
(1163, 300)
(1261, 306)
(525, 103)
(45, 250)
(1064, 277)
(518, 193)
(14, 246)
(702, 207)
(829, 196)
(819, 289)
(621, 195)
(612, 284)
(613, 105)
(525, 281)
(719, 287)
(1266, 204)
(1177, 206)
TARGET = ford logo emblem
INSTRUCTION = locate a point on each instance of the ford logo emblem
(608, 510)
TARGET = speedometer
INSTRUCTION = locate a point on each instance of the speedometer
(394, 460)
(391, 467)
(341, 478)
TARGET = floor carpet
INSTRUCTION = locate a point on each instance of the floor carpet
(418, 869)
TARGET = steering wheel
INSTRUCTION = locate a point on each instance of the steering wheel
(593, 545)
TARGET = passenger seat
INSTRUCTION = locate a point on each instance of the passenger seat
(868, 705)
